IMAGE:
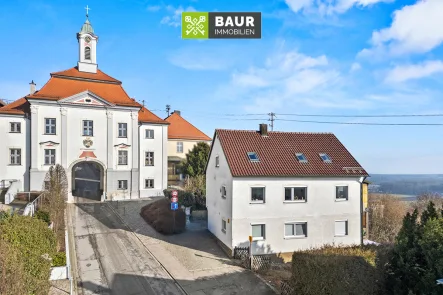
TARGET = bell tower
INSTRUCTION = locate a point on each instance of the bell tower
(87, 47)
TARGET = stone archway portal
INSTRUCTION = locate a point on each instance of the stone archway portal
(87, 180)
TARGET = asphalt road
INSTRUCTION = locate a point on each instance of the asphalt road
(110, 259)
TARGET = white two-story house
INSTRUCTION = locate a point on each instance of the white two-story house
(111, 146)
(288, 190)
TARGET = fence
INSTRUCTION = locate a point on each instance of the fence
(32, 207)
(261, 262)
(286, 288)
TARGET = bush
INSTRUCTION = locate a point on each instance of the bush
(11, 271)
(351, 270)
(36, 243)
(59, 259)
(160, 216)
(185, 198)
(196, 185)
(43, 215)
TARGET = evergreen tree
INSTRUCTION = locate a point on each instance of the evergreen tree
(195, 163)
(429, 213)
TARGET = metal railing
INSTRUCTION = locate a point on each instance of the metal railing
(32, 207)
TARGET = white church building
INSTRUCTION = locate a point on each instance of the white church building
(111, 146)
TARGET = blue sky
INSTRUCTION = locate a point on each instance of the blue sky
(328, 57)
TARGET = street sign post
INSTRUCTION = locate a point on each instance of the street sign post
(174, 206)
(174, 199)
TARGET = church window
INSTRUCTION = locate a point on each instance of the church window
(15, 127)
(122, 130)
(122, 184)
(49, 156)
(149, 183)
(149, 133)
(87, 53)
(50, 126)
(149, 159)
(88, 128)
(123, 157)
(16, 156)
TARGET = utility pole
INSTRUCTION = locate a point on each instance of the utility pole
(272, 115)
(168, 108)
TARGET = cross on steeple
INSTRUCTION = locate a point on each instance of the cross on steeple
(87, 10)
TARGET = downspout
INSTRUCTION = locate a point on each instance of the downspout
(361, 180)
(139, 160)
(163, 155)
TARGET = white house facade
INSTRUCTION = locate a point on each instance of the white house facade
(110, 146)
(289, 191)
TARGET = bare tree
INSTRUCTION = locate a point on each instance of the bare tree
(386, 214)
(422, 201)
(55, 197)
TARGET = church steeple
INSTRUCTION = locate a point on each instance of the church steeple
(87, 42)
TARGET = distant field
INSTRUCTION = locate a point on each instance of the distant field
(409, 185)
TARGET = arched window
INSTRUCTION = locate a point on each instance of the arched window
(87, 53)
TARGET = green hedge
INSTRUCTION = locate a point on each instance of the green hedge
(43, 215)
(164, 220)
(352, 270)
(59, 259)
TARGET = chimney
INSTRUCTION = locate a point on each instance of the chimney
(264, 129)
(177, 112)
(32, 87)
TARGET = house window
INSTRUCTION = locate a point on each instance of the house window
(122, 130)
(341, 227)
(87, 53)
(123, 157)
(122, 184)
(296, 230)
(296, 194)
(257, 194)
(149, 133)
(49, 126)
(301, 158)
(16, 156)
(341, 193)
(223, 191)
(253, 157)
(224, 225)
(258, 231)
(15, 127)
(217, 161)
(88, 128)
(49, 156)
(325, 158)
(149, 159)
(179, 147)
(149, 183)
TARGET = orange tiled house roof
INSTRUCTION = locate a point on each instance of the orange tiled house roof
(179, 128)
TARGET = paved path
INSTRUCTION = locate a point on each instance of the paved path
(109, 257)
(193, 258)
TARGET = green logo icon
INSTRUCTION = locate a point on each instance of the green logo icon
(195, 25)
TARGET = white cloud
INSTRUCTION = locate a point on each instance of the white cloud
(174, 19)
(416, 71)
(416, 28)
(153, 8)
(327, 7)
(355, 67)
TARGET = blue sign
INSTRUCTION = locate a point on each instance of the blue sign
(174, 206)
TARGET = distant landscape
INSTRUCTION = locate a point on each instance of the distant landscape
(406, 184)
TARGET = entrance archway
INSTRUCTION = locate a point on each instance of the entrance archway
(87, 180)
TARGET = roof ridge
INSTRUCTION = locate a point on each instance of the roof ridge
(293, 132)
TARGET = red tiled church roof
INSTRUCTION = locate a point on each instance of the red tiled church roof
(179, 128)
(276, 153)
(18, 107)
(146, 116)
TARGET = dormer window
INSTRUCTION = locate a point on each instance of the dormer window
(325, 158)
(253, 157)
(87, 53)
(301, 158)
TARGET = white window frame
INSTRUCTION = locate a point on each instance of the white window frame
(122, 129)
(149, 133)
(347, 228)
(293, 223)
(52, 126)
(122, 156)
(223, 191)
(50, 157)
(180, 147)
(217, 161)
(16, 156)
(122, 184)
(250, 194)
(224, 225)
(15, 127)
(263, 237)
(347, 193)
(292, 193)
(89, 127)
(151, 159)
(149, 180)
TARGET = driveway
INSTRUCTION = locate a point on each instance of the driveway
(110, 259)
(193, 258)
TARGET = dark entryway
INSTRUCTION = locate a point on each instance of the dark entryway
(87, 180)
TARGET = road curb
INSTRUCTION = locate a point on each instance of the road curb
(72, 251)
(147, 249)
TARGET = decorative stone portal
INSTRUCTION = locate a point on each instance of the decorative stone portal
(87, 180)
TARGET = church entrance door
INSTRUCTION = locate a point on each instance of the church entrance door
(87, 180)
